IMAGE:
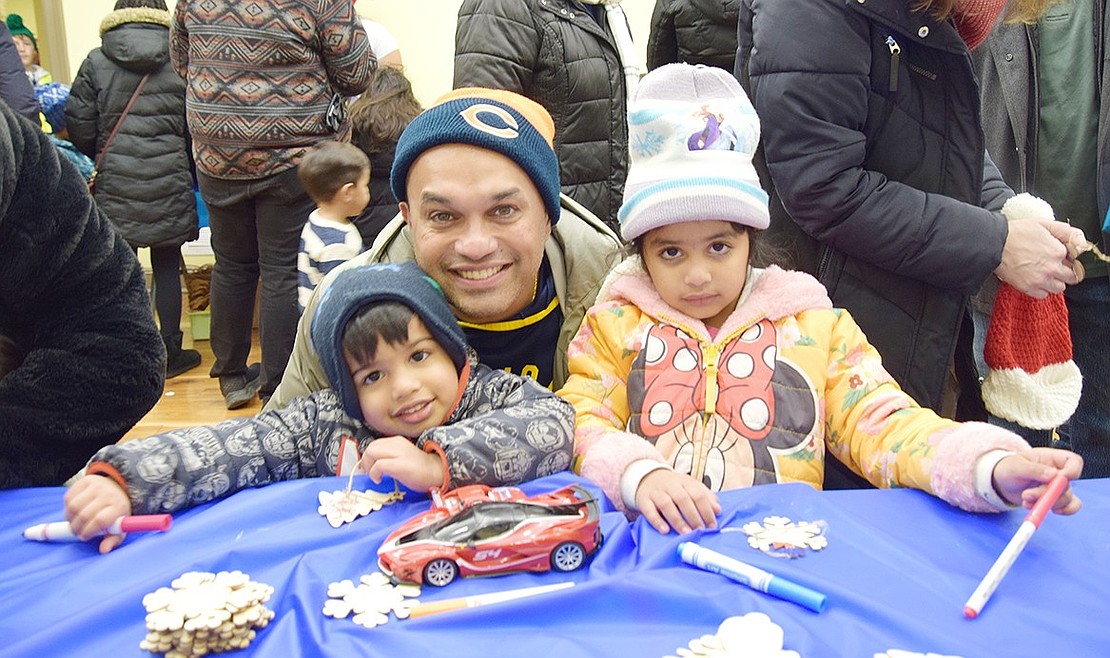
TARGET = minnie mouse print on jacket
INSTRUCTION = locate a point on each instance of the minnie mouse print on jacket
(786, 378)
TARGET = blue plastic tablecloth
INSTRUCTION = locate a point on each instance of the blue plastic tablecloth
(897, 570)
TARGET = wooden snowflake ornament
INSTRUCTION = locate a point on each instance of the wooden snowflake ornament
(778, 536)
(371, 600)
(341, 507)
(202, 613)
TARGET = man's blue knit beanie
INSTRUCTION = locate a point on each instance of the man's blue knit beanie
(357, 287)
(501, 121)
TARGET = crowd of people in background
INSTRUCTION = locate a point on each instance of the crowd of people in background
(583, 226)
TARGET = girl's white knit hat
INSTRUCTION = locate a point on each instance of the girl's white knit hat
(692, 133)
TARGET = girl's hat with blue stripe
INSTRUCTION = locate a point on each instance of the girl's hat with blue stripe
(692, 133)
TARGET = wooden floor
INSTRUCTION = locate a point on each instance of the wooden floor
(192, 398)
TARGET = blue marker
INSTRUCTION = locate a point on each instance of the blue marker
(755, 578)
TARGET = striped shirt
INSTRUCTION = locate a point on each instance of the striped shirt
(325, 244)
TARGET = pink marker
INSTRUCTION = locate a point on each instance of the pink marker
(1002, 565)
(61, 531)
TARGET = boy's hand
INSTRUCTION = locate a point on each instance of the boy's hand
(1023, 478)
(93, 504)
(675, 500)
(399, 458)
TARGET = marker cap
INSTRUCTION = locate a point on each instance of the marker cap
(795, 593)
(146, 523)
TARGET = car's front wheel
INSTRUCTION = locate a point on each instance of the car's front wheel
(568, 556)
(440, 572)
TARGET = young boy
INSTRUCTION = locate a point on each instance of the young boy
(337, 177)
(406, 388)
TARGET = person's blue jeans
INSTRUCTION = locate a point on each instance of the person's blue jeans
(1087, 432)
(256, 230)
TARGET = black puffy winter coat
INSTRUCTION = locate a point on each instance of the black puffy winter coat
(872, 136)
(694, 32)
(145, 182)
(554, 52)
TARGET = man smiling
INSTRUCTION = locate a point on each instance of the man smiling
(478, 184)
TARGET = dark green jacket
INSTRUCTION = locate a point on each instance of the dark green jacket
(1009, 93)
(694, 32)
(554, 52)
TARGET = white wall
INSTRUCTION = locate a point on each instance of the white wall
(425, 29)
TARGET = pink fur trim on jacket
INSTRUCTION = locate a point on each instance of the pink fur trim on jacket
(773, 293)
(956, 455)
(609, 455)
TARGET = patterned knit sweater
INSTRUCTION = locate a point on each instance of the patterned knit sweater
(261, 77)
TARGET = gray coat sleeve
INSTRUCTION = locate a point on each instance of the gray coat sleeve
(186, 467)
(995, 190)
(15, 88)
(506, 430)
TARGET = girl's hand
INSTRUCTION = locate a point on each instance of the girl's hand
(1023, 478)
(399, 458)
(93, 504)
(675, 500)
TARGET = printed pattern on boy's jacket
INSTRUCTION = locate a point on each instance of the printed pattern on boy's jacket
(786, 378)
(504, 431)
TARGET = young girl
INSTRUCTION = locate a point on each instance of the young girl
(696, 372)
(406, 388)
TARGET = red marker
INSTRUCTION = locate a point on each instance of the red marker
(998, 570)
(61, 531)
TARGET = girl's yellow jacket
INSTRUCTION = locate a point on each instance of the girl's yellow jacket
(786, 378)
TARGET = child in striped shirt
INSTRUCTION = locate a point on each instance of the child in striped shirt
(337, 177)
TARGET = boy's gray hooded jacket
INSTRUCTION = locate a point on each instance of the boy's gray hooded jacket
(505, 429)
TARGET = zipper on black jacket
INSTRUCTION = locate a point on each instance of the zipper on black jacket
(895, 51)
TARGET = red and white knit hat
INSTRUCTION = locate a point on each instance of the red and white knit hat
(1032, 380)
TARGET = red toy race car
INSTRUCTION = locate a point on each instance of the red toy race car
(481, 531)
